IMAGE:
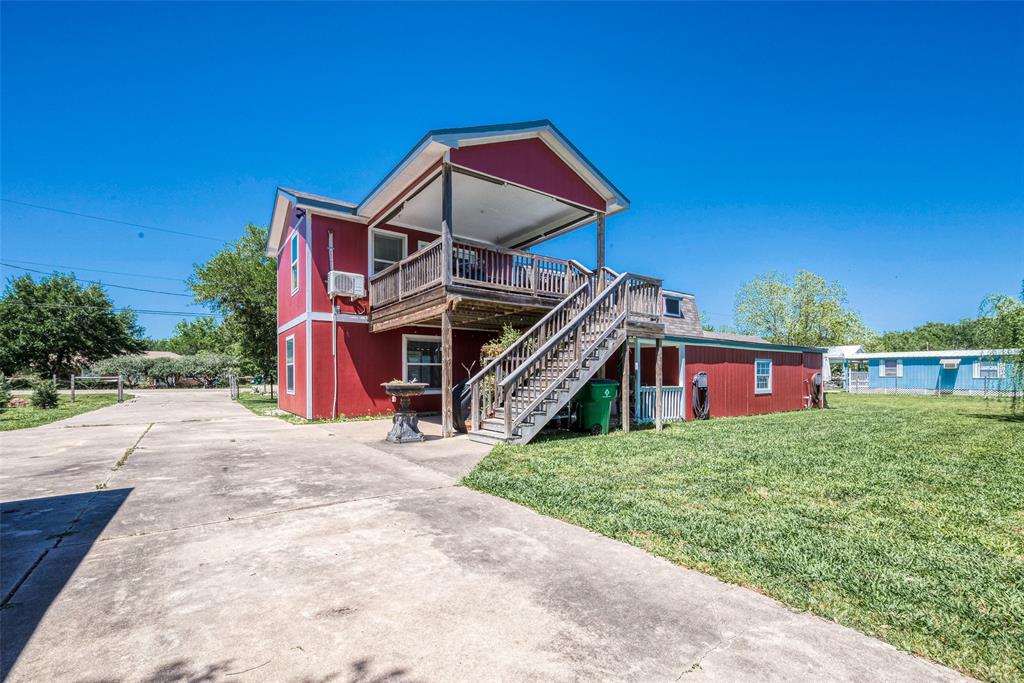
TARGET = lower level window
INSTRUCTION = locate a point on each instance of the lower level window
(422, 361)
(289, 364)
(763, 376)
(990, 370)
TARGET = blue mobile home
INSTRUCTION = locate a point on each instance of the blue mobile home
(968, 372)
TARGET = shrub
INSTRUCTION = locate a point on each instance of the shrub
(44, 394)
(5, 392)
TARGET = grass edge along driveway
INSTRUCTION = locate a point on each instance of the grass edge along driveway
(902, 517)
(24, 417)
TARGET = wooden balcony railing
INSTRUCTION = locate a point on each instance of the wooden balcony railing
(477, 265)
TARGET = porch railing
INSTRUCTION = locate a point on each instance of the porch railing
(644, 295)
(673, 404)
(477, 265)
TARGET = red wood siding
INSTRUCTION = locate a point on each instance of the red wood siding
(293, 403)
(366, 360)
(669, 366)
(291, 305)
(530, 163)
(351, 254)
(731, 379)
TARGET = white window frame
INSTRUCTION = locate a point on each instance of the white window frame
(883, 370)
(997, 365)
(293, 259)
(679, 302)
(768, 389)
(373, 257)
(406, 338)
(289, 340)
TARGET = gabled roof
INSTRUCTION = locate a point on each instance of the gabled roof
(435, 143)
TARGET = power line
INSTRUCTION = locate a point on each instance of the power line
(97, 270)
(102, 284)
(146, 311)
(113, 220)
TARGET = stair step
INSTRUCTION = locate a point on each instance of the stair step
(486, 438)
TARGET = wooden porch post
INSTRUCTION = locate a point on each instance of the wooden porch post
(447, 417)
(446, 225)
(600, 251)
(624, 409)
(657, 385)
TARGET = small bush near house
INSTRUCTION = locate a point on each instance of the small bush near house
(44, 394)
(5, 392)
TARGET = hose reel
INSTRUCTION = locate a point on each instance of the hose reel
(701, 400)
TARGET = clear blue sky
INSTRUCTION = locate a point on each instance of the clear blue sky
(880, 145)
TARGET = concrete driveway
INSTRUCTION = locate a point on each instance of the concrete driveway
(227, 546)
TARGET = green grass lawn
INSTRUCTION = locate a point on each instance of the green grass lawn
(262, 404)
(30, 416)
(902, 517)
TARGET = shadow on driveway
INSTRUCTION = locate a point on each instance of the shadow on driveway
(42, 542)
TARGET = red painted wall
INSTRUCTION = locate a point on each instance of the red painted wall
(351, 254)
(731, 379)
(293, 403)
(291, 305)
(669, 366)
(365, 361)
(530, 163)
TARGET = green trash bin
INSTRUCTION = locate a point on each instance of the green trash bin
(596, 404)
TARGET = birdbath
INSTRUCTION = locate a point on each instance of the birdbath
(404, 427)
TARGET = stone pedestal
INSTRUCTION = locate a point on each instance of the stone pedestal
(404, 426)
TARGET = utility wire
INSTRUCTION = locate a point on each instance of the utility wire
(97, 282)
(146, 311)
(113, 220)
(97, 270)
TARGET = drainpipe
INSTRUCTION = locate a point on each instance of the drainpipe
(334, 327)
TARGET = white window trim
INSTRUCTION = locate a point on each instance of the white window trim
(677, 300)
(406, 338)
(289, 338)
(899, 368)
(1000, 368)
(293, 265)
(389, 233)
(771, 371)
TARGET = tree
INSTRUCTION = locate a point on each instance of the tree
(55, 326)
(206, 367)
(240, 282)
(202, 334)
(1002, 327)
(134, 369)
(807, 311)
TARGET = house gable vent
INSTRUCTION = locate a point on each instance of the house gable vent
(351, 285)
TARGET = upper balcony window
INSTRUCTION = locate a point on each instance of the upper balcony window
(387, 248)
(672, 307)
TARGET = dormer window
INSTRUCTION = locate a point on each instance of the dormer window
(673, 308)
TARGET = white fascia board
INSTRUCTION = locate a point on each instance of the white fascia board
(954, 353)
(399, 179)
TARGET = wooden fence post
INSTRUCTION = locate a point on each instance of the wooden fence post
(120, 388)
(72, 387)
(657, 386)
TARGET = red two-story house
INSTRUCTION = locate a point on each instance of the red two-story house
(410, 283)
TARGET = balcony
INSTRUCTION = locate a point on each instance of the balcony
(489, 286)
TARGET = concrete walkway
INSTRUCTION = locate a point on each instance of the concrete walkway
(227, 546)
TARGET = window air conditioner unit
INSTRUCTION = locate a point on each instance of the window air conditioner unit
(949, 363)
(351, 285)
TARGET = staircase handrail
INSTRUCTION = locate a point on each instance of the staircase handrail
(526, 335)
(562, 333)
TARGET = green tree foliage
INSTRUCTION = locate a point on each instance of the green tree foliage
(56, 325)
(204, 367)
(202, 334)
(134, 369)
(240, 282)
(44, 394)
(5, 392)
(805, 311)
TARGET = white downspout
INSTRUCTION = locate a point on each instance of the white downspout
(334, 327)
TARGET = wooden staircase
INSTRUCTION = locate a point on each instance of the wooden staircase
(516, 394)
